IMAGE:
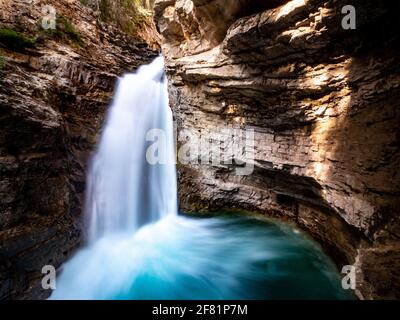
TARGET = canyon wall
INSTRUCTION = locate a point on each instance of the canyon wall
(323, 103)
(55, 86)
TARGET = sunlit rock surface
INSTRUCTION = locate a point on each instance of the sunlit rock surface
(53, 97)
(323, 102)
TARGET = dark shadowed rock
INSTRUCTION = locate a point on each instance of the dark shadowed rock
(53, 97)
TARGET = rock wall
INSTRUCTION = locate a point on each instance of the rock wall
(54, 90)
(323, 102)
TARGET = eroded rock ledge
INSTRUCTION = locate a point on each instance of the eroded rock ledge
(323, 103)
(53, 96)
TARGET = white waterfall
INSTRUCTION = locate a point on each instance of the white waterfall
(125, 191)
(139, 248)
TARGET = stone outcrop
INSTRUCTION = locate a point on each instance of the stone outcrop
(323, 103)
(55, 87)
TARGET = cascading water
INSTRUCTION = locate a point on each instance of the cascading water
(125, 191)
(139, 248)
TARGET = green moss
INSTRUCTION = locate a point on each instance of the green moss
(15, 40)
(65, 30)
(70, 29)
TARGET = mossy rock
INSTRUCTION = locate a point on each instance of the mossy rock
(65, 30)
(14, 40)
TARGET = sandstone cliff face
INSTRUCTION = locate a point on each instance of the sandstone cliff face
(53, 96)
(323, 103)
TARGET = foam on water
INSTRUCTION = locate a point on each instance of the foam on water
(226, 257)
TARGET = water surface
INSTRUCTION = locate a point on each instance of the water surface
(222, 257)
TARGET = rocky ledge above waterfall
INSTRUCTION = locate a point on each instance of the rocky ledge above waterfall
(54, 90)
(323, 103)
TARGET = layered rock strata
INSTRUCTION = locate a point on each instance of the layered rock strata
(55, 86)
(322, 102)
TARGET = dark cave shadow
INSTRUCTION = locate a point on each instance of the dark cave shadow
(367, 136)
(367, 145)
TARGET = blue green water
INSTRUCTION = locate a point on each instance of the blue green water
(221, 257)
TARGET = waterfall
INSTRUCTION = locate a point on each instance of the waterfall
(126, 190)
(139, 248)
